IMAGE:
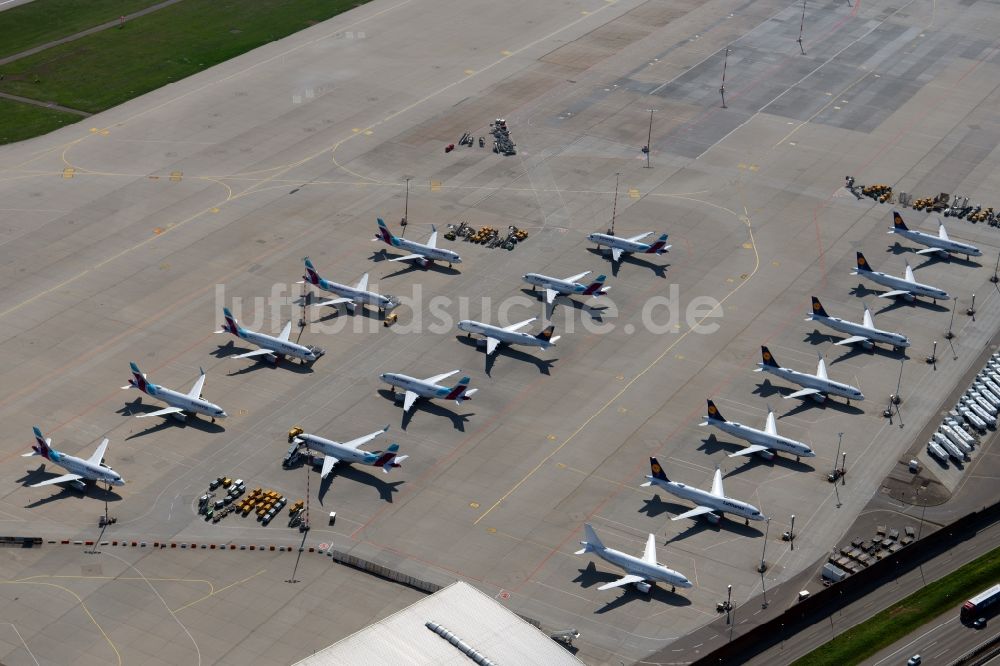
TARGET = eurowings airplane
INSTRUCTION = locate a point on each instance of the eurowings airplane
(761, 441)
(710, 504)
(815, 386)
(631, 245)
(906, 286)
(427, 388)
(351, 296)
(274, 348)
(350, 452)
(181, 404)
(865, 332)
(940, 243)
(555, 286)
(79, 470)
(423, 254)
(638, 570)
(508, 335)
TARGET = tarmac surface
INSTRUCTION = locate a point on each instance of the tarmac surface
(125, 235)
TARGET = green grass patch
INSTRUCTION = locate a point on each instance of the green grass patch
(943, 596)
(102, 70)
(42, 21)
(22, 121)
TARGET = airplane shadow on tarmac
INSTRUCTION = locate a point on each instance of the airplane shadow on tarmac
(654, 506)
(410, 266)
(95, 491)
(424, 405)
(829, 403)
(699, 525)
(932, 258)
(779, 460)
(385, 488)
(591, 576)
(137, 407)
(857, 350)
(659, 269)
(544, 366)
(594, 312)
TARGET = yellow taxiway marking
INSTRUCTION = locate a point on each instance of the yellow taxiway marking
(638, 376)
(435, 186)
(469, 72)
(68, 172)
(474, 505)
(368, 132)
(175, 176)
(633, 193)
(505, 53)
(215, 592)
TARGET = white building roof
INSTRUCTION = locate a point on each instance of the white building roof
(486, 626)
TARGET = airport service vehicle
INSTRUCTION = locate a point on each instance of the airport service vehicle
(181, 404)
(349, 296)
(939, 244)
(710, 504)
(620, 246)
(937, 451)
(567, 287)
(429, 388)
(494, 336)
(273, 348)
(422, 254)
(946, 444)
(762, 442)
(815, 386)
(349, 452)
(639, 571)
(906, 286)
(79, 470)
(865, 332)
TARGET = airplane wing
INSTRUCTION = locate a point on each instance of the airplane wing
(574, 278)
(942, 234)
(717, 484)
(408, 400)
(255, 352)
(432, 242)
(491, 345)
(803, 393)
(332, 301)
(59, 479)
(697, 511)
(286, 331)
(98, 455)
(636, 239)
(616, 254)
(436, 378)
(550, 295)
(520, 325)
(821, 368)
(750, 450)
(894, 292)
(160, 412)
(328, 463)
(649, 555)
(199, 383)
(621, 582)
(409, 257)
(363, 283)
(355, 443)
(851, 340)
(929, 250)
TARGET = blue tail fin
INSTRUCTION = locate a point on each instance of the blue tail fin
(863, 263)
(657, 471)
(768, 358)
(713, 412)
(897, 221)
(818, 308)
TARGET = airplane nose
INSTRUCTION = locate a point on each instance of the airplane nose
(222, 415)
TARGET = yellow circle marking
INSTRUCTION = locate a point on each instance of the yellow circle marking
(747, 246)
(816, 307)
(551, 438)
(491, 530)
(474, 505)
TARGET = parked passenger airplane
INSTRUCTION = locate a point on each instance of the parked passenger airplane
(274, 348)
(508, 335)
(710, 504)
(350, 452)
(638, 570)
(422, 254)
(79, 470)
(427, 388)
(907, 286)
(761, 441)
(816, 386)
(631, 245)
(569, 286)
(181, 404)
(940, 244)
(350, 296)
(865, 333)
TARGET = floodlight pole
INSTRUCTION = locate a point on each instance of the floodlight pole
(649, 139)
(996, 278)
(791, 533)
(406, 208)
(722, 88)
(614, 206)
(949, 335)
(802, 26)
(972, 308)
(840, 439)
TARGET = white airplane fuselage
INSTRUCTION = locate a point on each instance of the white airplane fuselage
(345, 454)
(945, 246)
(618, 243)
(813, 382)
(896, 283)
(637, 566)
(279, 347)
(88, 470)
(361, 296)
(705, 498)
(564, 287)
(853, 328)
(181, 400)
(422, 388)
(506, 337)
(426, 251)
(762, 438)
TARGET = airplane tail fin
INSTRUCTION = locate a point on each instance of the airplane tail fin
(657, 472)
(660, 246)
(461, 391)
(863, 265)
(311, 276)
(390, 459)
(818, 310)
(384, 234)
(713, 413)
(231, 325)
(592, 543)
(546, 335)
(597, 288)
(138, 379)
(897, 222)
(767, 359)
(41, 445)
